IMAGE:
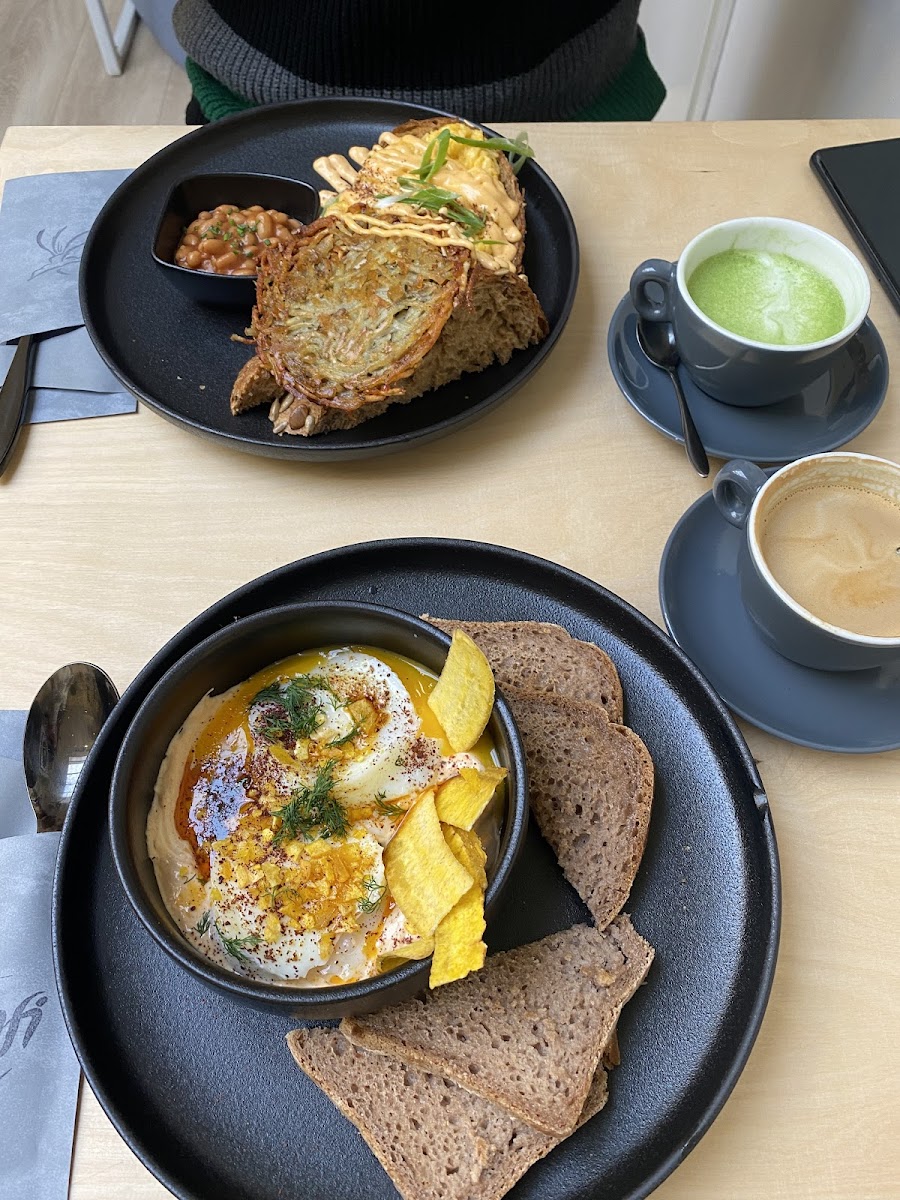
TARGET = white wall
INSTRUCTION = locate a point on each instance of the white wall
(782, 58)
(675, 33)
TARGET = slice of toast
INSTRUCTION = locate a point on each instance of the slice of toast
(436, 1141)
(528, 1030)
(544, 659)
(590, 787)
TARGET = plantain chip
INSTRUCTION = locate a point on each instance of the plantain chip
(468, 849)
(410, 952)
(461, 800)
(424, 875)
(458, 944)
(463, 697)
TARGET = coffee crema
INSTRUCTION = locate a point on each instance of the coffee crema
(835, 549)
(767, 297)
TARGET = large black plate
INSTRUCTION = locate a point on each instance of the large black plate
(204, 1090)
(177, 356)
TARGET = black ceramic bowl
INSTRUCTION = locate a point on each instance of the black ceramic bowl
(202, 193)
(218, 663)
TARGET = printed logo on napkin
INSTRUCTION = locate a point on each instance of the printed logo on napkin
(44, 223)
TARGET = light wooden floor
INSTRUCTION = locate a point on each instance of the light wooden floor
(51, 72)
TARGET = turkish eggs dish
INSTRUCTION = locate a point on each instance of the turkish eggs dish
(275, 804)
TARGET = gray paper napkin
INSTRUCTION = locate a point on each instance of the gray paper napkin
(39, 1072)
(44, 221)
(53, 404)
(66, 360)
(16, 813)
(70, 380)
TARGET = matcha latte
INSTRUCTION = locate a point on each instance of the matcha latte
(767, 297)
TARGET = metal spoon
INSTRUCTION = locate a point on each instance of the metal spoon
(657, 340)
(65, 718)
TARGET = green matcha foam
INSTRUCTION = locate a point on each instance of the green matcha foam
(767, 297)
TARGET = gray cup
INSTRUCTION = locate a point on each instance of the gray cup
(731, 368)
(743, 494)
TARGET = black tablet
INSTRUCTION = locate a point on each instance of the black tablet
(863, 180)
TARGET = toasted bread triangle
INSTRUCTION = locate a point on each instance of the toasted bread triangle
(590, 787)
(528, 1030)
(544, 659)
(436, 1141)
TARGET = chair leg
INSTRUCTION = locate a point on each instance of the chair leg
(113, 47)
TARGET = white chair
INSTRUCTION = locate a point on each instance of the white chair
(113, 44)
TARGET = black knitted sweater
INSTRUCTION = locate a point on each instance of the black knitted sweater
(507, 60)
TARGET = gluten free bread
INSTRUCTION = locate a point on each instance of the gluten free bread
(590, 787)
(545, 660)
(435, 1141)
(528, 1030)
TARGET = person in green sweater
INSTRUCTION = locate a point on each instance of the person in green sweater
(584, 60)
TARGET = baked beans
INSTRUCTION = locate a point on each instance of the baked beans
(228, 240)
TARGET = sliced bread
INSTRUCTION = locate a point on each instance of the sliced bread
(544, 659)
(590, 787)
(436, 1141)
(528, 1030)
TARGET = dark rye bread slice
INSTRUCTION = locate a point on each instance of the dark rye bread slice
(544, 659)
(436, 1141)
(528, 1030)
(590, 787)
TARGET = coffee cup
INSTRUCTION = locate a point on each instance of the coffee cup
(772, 281)
(819, 562)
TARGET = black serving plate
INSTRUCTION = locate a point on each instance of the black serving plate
(177, 355)
(203, 1088)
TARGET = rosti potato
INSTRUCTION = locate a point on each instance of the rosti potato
(463, 697)
(458, 944)
(424, 875)
(461, 800)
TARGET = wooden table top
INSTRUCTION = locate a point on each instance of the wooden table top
(159, 524)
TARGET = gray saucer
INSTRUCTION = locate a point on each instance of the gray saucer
(857, 712)
(828, 413)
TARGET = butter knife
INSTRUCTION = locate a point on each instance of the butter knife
(13, 396)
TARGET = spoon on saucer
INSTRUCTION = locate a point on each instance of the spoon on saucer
(657, 340)
(63, 723)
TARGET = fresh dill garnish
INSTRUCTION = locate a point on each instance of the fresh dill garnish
(312, 812)
(385, 808)
(373, 894)
(236, 946)
(292, 709)
(214, 231)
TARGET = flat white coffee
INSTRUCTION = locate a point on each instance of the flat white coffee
(835, 549)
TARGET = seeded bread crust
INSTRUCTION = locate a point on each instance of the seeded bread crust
(590, 787)
(527, 1031)
(436, 1141)
(545, 660)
